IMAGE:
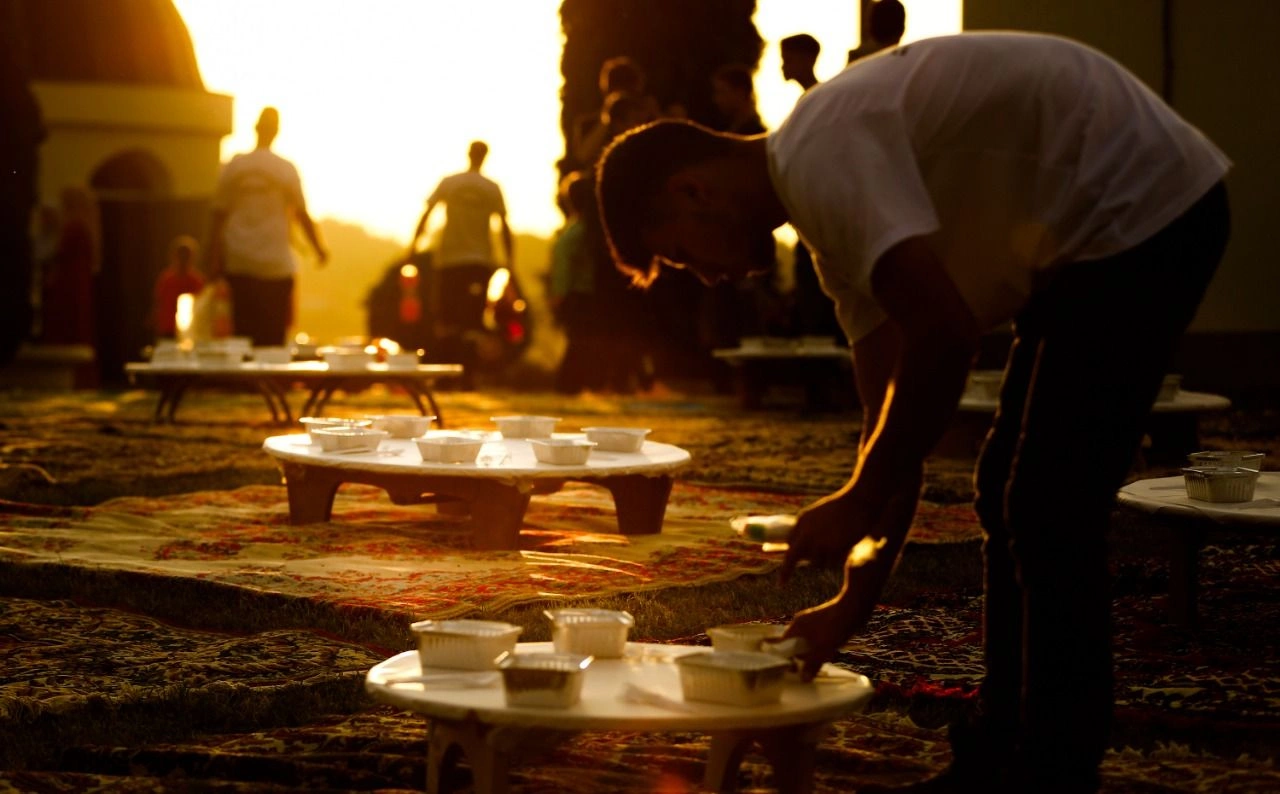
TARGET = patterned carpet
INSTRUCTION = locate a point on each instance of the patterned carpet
(158, 635)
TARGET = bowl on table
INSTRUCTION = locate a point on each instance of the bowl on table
(733, 678)
(743, 636)
(562, 451)
(402, 425)
(449, 448)
(543, 680)
(984, 384)
(317, 422)
(348, 439)
(601, 633)
(1233, 484)
(1169, 388)
(526, 426)
(402, 360)
(348, 360)
(617, 439)
(463, 644)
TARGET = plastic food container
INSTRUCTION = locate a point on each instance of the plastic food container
(449, 449)
(562, 451)
(402, 425)
(601, 633)
(743, 636)
(526, 426)
(276, 354)
(1229, 459)
(766, 529)
(985, 384)
(347, 439)
(345, 361)
(1220, 484)
(463, 644)
(402, 360)
(543, 680)
(617, 439)
(734, 678)
(817, 342)
(317, 422)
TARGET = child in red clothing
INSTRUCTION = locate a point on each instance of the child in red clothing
(178, 278)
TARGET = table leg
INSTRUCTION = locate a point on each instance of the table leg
(640, 501)
(175, 397)
(309, 406)
(270, 400)
(497, 513)
(311, 491)
(1186, 537)
(791, 752)
(450, 740)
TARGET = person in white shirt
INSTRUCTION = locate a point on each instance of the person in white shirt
(258, 197)
(463, 263)
(947, 187)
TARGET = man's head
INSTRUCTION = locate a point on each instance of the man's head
(268, 126)
(182, 252)
(732, 90)
(799, 54)
(887, 21)
(624, 112)
(676, 193)
(476, 154)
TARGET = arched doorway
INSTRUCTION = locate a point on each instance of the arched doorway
(139, 216)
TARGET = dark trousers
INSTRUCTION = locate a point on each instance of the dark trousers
(1087, 360)
(261, 309)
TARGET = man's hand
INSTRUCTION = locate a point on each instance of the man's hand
(826, 627)
(826, 530)
(322, 256)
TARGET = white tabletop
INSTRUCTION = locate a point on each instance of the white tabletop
(783, 351)
(1169, 494)
(1182, 402)
(253, 369)
(499, 458)
(834, 693)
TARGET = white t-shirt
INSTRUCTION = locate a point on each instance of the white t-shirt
(259, 191)
(1009, 153)
(470, 201)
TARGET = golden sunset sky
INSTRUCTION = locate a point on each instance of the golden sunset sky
(379, 99)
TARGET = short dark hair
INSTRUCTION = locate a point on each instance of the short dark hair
(801, 43)
(887, 21)
(738, 76)
(632, 173)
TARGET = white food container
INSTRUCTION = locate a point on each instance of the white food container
(562, 451)
(526, 426)
(317, 422)
(402, 425)
(348, 361)
(543, 680)
(1226, 459)
(617, 439)
(348, 439)
(463, 644)
(734, 678)
(1169, 388)
(1220, 484)
(984, 384)
(601, 633)
(402, 360)
(277, 354)
(449, 449)
(743, 636)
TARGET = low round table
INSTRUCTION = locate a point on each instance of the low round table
(478, 722)
(494, 490)
(1190, 521)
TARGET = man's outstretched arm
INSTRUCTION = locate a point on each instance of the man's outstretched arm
(936, 339)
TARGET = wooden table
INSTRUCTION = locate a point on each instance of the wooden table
(477, 721)
(1190, 521)
(494, 491)
(815, 367)
(273, 381)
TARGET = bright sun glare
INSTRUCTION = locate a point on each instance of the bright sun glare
(378, 100)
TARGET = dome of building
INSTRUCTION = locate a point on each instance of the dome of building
(140, 42)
